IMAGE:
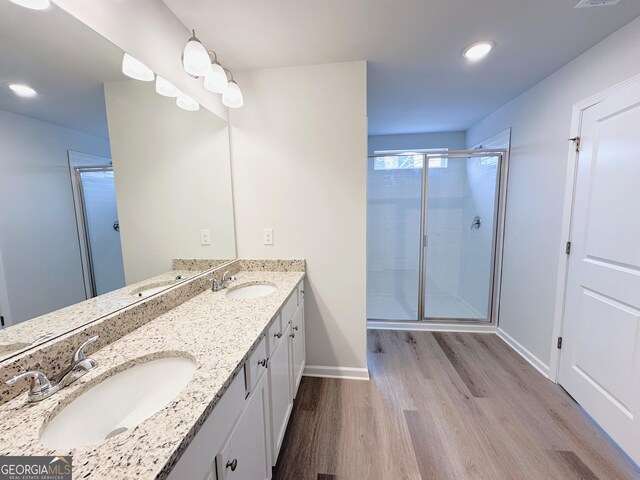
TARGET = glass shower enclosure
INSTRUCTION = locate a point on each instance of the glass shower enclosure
(433, 225)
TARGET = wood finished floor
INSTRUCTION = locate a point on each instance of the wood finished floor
(443, 406)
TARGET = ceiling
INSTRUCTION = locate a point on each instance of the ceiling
(64, 60)
(417, 78)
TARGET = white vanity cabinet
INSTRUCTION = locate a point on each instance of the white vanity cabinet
(241, 438)
(280, 392)
(245, 455)
(297, 348)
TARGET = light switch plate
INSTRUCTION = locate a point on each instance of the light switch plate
(267, 236)
(205, 237)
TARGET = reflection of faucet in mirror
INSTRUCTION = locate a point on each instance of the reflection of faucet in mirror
(223, 283)
(41, 387)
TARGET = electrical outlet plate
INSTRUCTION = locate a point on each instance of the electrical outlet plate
(205, 237)
(596, 3)
(267, 236)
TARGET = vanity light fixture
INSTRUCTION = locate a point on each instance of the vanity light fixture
(185, 102)
(478, 50)
(195, 58)
(134, 68)
(33, 4)
(22, 90)
(215, 80)
(165, 88)
(232, 96)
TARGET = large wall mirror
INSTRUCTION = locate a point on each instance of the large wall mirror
(109, 192)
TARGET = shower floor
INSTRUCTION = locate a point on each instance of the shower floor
(402, 307)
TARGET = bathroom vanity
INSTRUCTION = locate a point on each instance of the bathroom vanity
(242, 437)
(238, 354)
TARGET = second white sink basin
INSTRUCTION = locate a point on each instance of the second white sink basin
(251, 291)
(118, 403)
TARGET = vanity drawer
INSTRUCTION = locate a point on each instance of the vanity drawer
(289, 309)
(275, 335)
(301, 292)
(255, 369)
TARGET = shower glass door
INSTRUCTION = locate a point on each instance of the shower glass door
(432, 230)
(459, 236)
(394, 214)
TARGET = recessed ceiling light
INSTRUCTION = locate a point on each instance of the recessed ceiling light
(23, 90)
(477, 51)
(33, 4)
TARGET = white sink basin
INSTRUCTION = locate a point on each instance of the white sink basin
(118, 403)
(251, 291)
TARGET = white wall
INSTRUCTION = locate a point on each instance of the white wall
(299, 148)
(148, 30)
(450, 140)
(173, 178)
(540, 119)
(38, 234)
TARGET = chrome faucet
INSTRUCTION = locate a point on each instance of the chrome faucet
(223, 283)
(41, 387)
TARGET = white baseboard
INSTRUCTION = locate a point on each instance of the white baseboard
(430, 327)
(345, 373)
(524, 353)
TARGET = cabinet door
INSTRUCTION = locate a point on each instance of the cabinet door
(297, 349)
(279, 394)
(244, 457)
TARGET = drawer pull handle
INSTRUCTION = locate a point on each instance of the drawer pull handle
(277, 335)
(295, 328)
(293, 335)
(233, 464)
(263, 362)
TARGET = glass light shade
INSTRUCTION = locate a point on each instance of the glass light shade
(134, 68)
(232, 96)
(195, 59)
(215, 80)
(33, 4)
(166, 88)
(185, 102)
(477, 51)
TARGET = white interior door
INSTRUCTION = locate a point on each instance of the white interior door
(600, 356)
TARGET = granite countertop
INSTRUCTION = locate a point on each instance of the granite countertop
(29, 333)
(219, 332)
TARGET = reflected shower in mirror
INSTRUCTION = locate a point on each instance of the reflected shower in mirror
(109, 192)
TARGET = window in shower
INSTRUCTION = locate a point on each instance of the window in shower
(431, 235)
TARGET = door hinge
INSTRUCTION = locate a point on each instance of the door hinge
(568, 248)
(576, 142)
(1, 320)
(559, 343)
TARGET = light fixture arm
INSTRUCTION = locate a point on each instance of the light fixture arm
(229, 74)
(215, 56)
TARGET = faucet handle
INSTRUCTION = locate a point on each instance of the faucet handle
(79, 356)
(40, 384)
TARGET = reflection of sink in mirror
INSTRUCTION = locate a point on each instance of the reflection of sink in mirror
(245, 292)
(118, 403)
(156, 287)
(6, 348)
